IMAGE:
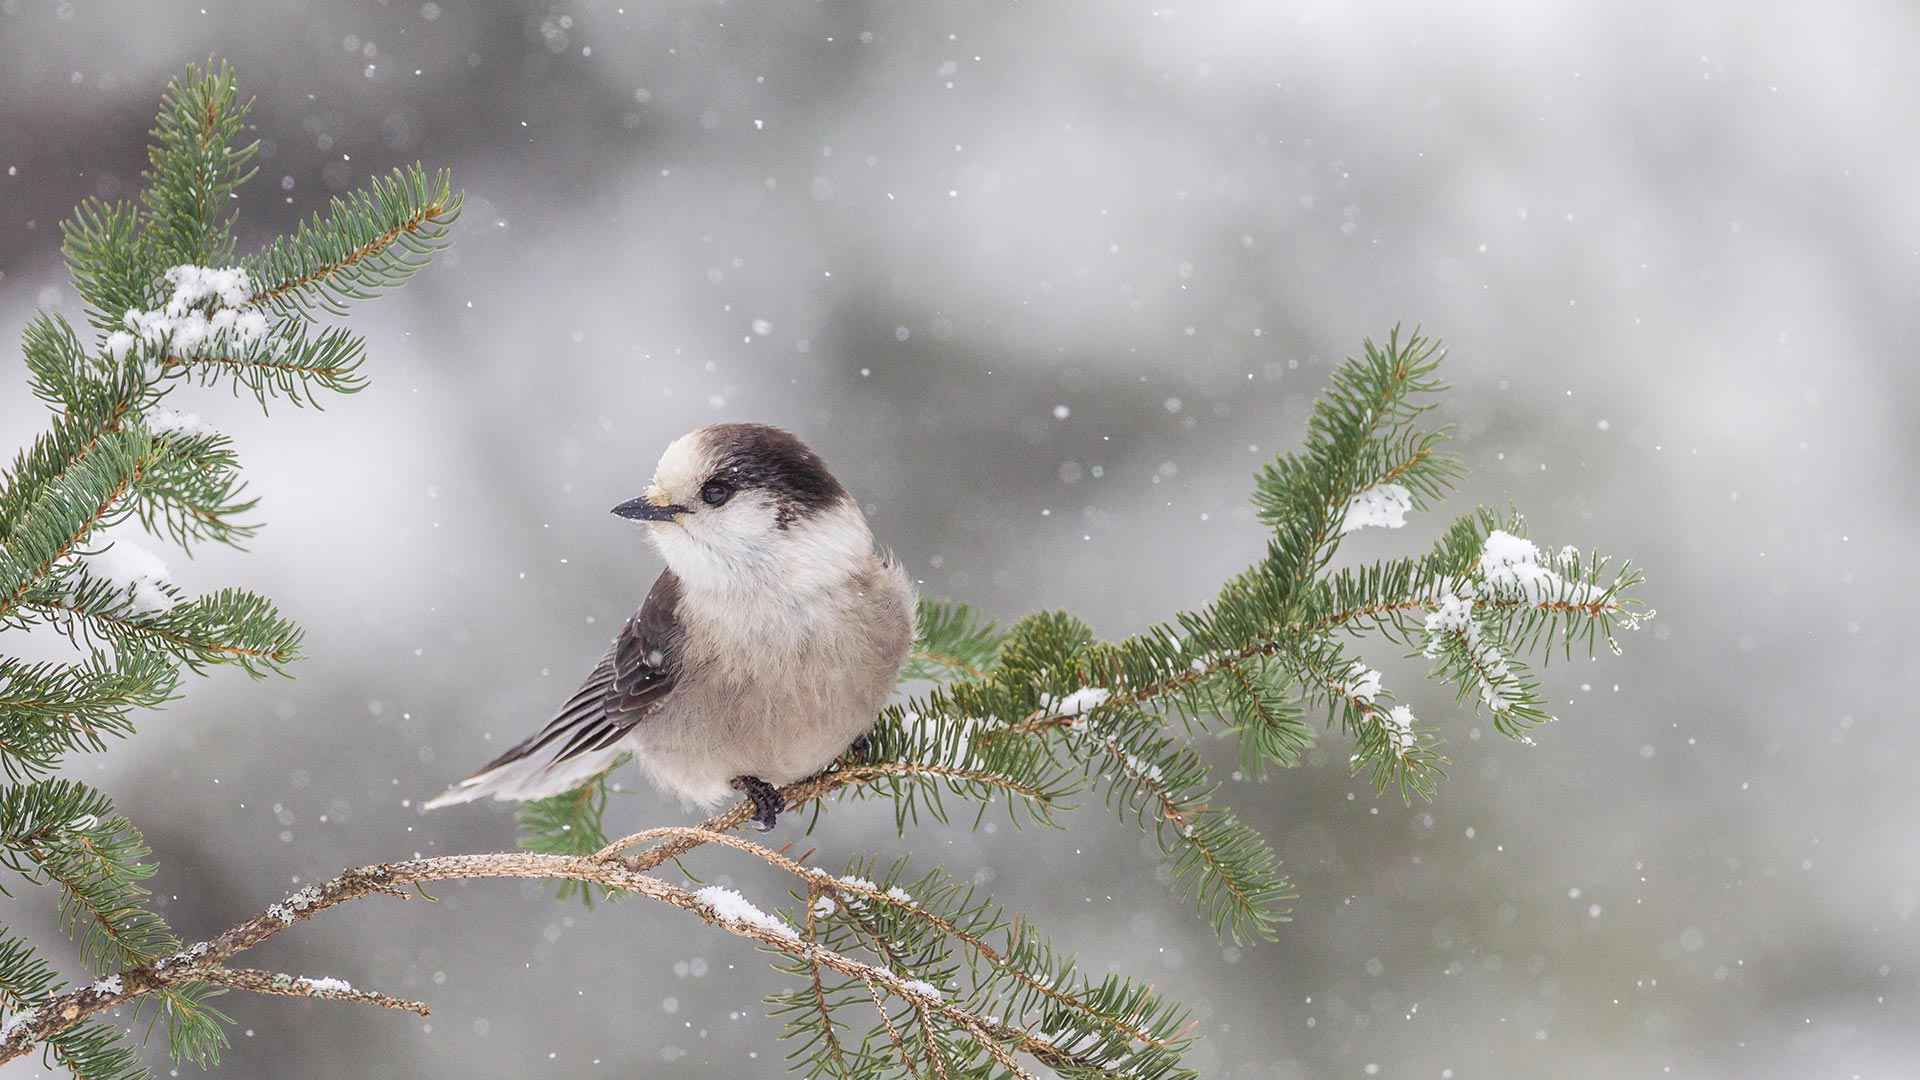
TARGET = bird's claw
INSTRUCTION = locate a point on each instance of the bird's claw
(766, 801)
(861, 752)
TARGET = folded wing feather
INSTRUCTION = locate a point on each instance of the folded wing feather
(586, 735)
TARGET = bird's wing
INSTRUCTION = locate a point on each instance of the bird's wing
(633, 678)
(625, 687)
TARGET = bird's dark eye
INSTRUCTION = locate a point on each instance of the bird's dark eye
(716, 492)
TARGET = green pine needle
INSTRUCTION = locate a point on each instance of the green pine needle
(952, 642)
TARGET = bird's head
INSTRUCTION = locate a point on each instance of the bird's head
(736, 506)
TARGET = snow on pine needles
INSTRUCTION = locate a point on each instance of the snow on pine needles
(1383, 505)
(140, 573)
(207, 311)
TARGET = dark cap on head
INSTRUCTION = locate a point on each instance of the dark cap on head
(758, 456)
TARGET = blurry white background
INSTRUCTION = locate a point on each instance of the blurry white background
(1673, 251)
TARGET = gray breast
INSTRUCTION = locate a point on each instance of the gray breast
(761, 694)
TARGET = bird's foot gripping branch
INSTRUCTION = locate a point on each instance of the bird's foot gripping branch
(889, 970)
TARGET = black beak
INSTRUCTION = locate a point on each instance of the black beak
(642, 510)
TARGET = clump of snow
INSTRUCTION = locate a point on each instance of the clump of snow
(1383, 505)
(17, 1020)
(1361, 684)
(1455, 611)
(824, 906)
(730, 905)
(895, 892)
(1079, 703)
(924, 989)
(858, 882)
(281, 912)
(1491, 669)
(187, 324)
(119, 344)
(1400, 729)
(137, 571)
(1511, 565)
(229, 285)
(324, 985)
(1454, 615)
(165, 421)
(1510, 568)
(108, 985)
(1140, 767)
(188, 955)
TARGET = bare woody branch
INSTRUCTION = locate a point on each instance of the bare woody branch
(207, 962)
(273, 982)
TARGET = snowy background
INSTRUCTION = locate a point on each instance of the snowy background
(1673, 252)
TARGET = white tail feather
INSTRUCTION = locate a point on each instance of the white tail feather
(528, 778)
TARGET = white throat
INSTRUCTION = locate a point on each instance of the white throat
(795, 566)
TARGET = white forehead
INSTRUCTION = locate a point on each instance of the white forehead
(685, 463)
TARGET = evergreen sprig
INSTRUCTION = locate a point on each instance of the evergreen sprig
(227, 626)
(196, 163)
(49, 710)
(373, 239)
(298, 365)
(951, 642)
(166, 303)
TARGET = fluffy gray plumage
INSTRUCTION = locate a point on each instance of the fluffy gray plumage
(763, 651)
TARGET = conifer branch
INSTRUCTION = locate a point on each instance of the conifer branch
(610, 869)
(228, 626)
(194, 168)
(851, 887)
(373, 239)
(297, 365)
(48, 710)
(81, 497)
(950, 641)
(886, 1021)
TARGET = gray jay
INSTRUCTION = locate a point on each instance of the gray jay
(763, 651)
